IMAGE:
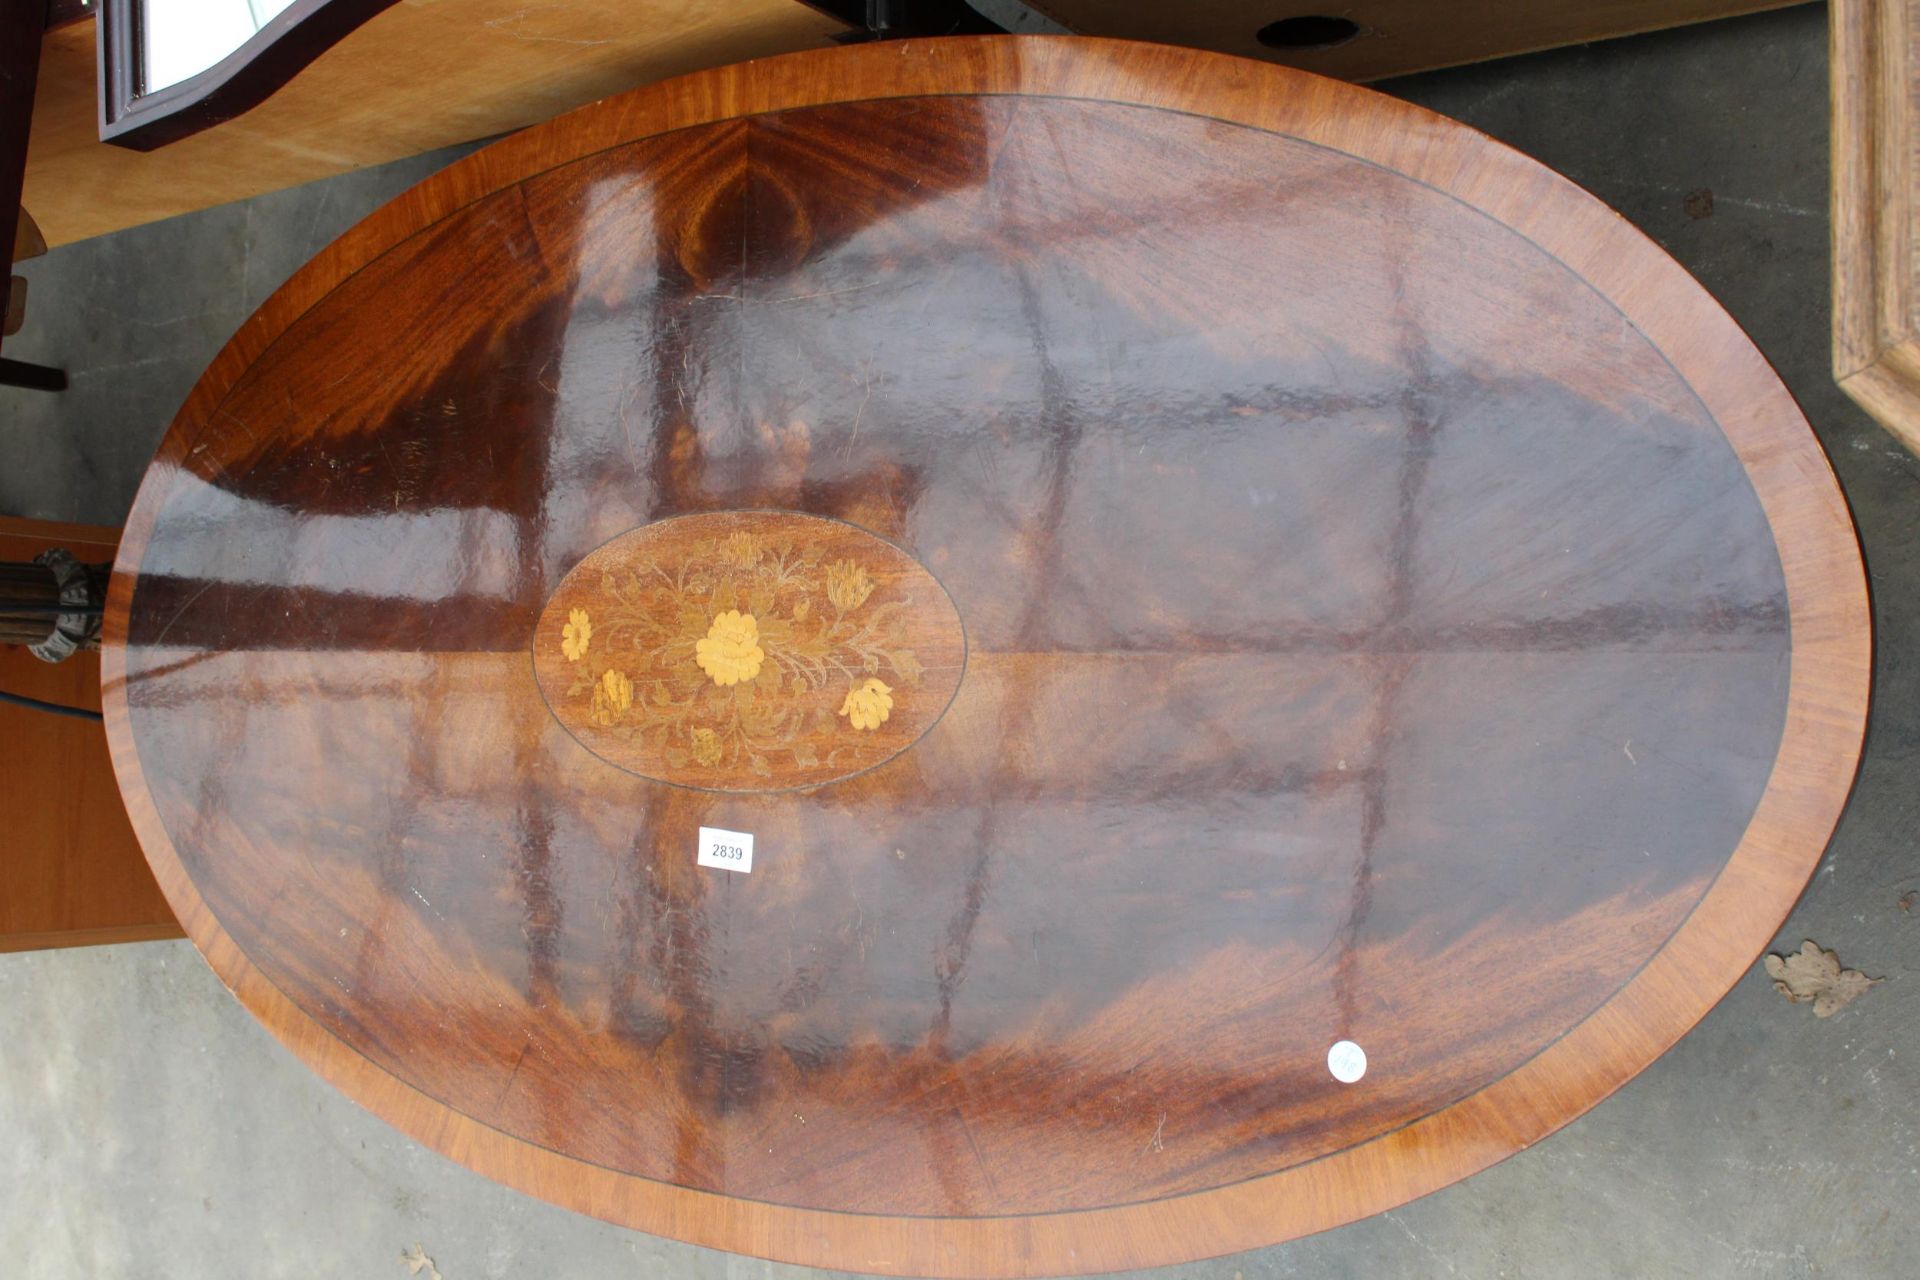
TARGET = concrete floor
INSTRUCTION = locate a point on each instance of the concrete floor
(149, 1128)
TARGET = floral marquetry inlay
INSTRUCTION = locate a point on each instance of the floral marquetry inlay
(749, 651)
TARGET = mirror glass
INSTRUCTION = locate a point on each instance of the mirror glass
(181, 38)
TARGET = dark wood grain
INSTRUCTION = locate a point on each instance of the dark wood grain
(1400, 606)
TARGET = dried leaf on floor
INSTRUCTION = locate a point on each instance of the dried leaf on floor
(417, 1261)
(1814, 974)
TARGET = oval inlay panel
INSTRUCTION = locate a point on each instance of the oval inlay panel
(748, 651)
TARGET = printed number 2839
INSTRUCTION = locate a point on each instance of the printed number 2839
(727, 850)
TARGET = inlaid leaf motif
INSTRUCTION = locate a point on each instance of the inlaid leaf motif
(905, 665)
(1813, 974)
(706, 747)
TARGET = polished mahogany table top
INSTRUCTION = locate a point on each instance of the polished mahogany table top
(1270, 652)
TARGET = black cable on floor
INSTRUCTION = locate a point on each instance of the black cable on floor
(51, 708)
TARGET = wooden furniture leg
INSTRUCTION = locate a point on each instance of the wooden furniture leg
(21, 25)
(37, 377)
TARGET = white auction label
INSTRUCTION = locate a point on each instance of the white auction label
(726, 850)
(1347, 1061)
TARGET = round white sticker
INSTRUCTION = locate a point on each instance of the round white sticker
(1347, 1061)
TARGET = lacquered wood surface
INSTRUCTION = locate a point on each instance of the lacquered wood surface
(1399, 607)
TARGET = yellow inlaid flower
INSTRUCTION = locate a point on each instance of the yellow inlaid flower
(848, 585)
(867, 705)
(741, 548)
(618, 688)
(575, 634)
(730, 651)
(706, 747)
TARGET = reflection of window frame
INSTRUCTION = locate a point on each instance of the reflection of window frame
(238, 82)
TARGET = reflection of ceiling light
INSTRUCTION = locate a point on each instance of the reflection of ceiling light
(469, 551)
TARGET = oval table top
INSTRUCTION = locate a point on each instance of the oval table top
(1267, 652)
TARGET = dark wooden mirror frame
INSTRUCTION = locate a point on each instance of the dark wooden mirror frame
(238, 82)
